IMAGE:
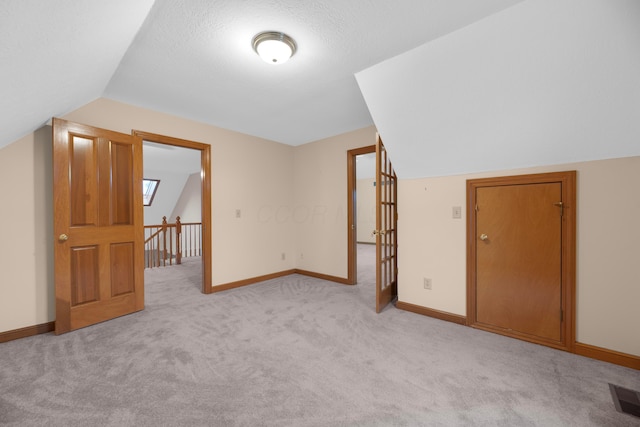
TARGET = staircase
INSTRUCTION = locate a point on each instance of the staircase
(167, 244)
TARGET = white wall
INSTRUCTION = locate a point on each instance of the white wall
(167, 193)
(542, 82)
(189, 204)
(433, 244)
(320, 211)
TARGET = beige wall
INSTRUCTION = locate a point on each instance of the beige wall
(320, 212)
(248, 173)
(432, 244)
(366, 210)
(26, 255)
(293, 200)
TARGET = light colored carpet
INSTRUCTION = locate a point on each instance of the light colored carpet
(295, 351)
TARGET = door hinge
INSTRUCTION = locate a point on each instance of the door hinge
(477, 208)
(562, 315)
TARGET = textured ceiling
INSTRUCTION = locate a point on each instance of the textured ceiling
(193, 58)
(58, 55)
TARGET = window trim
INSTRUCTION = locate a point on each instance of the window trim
(153, 188)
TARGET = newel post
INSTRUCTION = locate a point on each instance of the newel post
(164, 240)
(178, 240)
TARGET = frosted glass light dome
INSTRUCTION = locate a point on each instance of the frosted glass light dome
(274, 47)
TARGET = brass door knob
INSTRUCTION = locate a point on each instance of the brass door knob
(63, 238)
(483, 237)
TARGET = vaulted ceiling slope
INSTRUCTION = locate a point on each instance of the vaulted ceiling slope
(58, 55)
(193, 58)
(543, 82)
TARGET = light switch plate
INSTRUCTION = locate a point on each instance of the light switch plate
(456, 212)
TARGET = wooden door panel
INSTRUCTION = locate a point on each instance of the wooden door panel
(85, 275)
(122, 185)
(122, 268)
(519, 264)
(92, 313)
(99, 260)
(83, 180)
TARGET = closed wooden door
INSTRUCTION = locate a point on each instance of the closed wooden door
(520, 287)
(386, 229)
(518, 254)
(97, 225)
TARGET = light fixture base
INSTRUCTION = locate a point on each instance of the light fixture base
(274, 47)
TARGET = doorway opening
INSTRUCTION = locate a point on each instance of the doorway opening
(192, 152)
(358, 155)
(362, 218)
(386, 221)
(365, 220)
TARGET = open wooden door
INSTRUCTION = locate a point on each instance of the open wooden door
(98, 253)
(386, 229)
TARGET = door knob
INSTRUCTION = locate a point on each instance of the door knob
(483, 237)
(63, 238)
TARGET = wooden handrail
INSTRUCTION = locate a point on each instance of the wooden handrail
(153, 235)
(159, 244)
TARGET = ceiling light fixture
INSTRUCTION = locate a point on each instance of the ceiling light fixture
(274, 47)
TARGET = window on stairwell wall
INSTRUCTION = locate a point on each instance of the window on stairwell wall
(149, 187)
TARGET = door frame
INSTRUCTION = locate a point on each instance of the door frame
(205, 192)
(568, 251)
(352, 214)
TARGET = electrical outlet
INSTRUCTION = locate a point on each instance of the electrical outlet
(427, 283)
(283, 256)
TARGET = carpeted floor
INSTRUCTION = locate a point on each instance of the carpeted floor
(295, 351)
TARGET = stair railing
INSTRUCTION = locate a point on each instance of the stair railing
(164, 243)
